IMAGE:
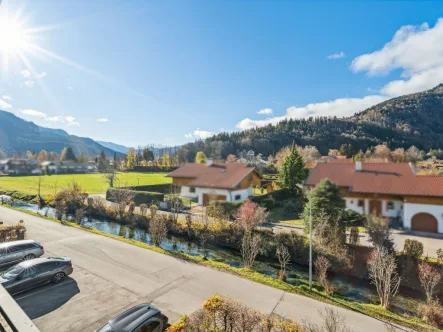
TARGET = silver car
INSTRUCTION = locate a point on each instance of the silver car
(17, 251)
(35, 272)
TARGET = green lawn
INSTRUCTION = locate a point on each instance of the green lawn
(278, 215)
(91, 183)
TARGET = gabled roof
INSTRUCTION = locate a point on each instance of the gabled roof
(378, 178)
(217, 175)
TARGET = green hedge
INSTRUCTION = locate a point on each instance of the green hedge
(19, 195)
(157, 188)
(223, 208)
(140, 197)
(278, 195)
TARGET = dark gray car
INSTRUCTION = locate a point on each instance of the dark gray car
(140, 318)
(35, 272)
(17, 251)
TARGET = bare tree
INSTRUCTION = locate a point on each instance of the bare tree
(332, 322)
(122, 197)
(158, 230)
(429, 277)
(204, 234)
(153, 209)
(383, 274)
(111, 178)
(38, 182)
(322, 266)
(250, 215)
(284, 257)
(176, 207)
(250, 248)
(143, 209)
(354, 236)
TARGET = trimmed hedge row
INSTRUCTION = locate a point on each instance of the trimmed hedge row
(278, 195)
(140, 197)
(156, 169)
(157, 188)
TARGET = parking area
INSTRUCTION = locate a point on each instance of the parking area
(82, 302)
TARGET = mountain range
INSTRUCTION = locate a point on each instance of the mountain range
(18, 135)
(415, 119)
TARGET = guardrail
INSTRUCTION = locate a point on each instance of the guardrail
(12, 317)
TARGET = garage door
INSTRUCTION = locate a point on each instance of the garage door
(424, 222)
(207, 198)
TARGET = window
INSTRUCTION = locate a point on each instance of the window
(192, 190)
(149, 327)
(237, 197)
(361, 203)
(390, 206)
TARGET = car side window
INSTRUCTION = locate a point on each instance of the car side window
(30, 271)
(149, 327)
(47, 266)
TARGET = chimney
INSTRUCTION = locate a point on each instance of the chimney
(358, 166)
(209, 162)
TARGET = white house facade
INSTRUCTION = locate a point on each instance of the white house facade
(207, 182)
(388, 190)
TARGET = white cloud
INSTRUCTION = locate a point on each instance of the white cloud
(417, 51)
(102, 120)
(338, 107)
(29, 83)
(199, 134)
(35, 113)
(4, 104)
(67, 120)
(5, 97)
(336, 56)
(26, 73)
(265, 111)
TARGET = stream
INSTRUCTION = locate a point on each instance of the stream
(347, 287)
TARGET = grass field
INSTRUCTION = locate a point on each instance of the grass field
(91, 183)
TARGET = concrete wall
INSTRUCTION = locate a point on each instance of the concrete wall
(352, 204)
(230, 195)
(411, 209)
(396, 211)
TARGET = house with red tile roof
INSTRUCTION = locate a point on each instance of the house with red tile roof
(387, 190)
(215, 181)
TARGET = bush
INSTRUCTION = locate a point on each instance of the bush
(268, 203)
(12, 233)
(413, 248)
(353, 219)
(432, 313)
(278, 195)
(140, 197)
(294, 205)
(218, 209)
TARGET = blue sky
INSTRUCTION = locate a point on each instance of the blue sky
(167, 72)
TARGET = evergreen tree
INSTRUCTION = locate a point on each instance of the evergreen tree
(326, 201)
(67, 154)
(102, 162)
(293, 171)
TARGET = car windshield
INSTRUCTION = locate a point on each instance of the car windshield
(12, 272)
(106, 328)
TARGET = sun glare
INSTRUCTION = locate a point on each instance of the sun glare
(12, 36)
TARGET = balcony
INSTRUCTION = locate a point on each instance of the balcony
(12, 317)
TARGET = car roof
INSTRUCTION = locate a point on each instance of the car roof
(37, 261)
(133, 317)
(14, 243)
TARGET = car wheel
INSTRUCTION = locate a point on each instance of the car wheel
(28, 257)
(58, 277)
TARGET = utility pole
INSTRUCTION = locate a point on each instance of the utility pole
(310, 244)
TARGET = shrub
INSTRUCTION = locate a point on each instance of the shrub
(140, 197)
(379, 233)
(354, 236)
(352, 218)
(440, 256)
(432, 313)
(12, 233)
(220, 209)
(158, 230)
(294, 205)
(429, 277)
(269, 203)
(278, 195)
(413, 248)
(322, 265)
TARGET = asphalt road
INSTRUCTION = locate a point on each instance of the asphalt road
(110, 276)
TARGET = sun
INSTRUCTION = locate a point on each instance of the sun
(13, 38)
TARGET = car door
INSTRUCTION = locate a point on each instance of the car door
(27, 279)
(10, 255)
(152, 325)
(46, 271)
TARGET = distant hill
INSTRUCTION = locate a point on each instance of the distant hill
(116, 147)
(415, 119)
(18, 135)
